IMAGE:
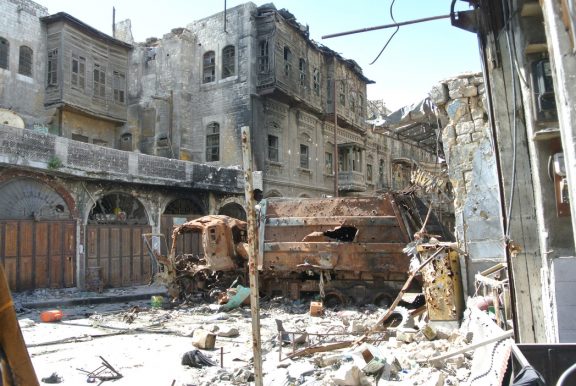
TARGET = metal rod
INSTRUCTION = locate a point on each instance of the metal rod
(386, 26)
(222, 356)
(252, 254)
(336, 160)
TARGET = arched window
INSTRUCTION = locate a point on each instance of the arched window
(209, 67)
(4, 50)
(25, 61)
(213, 142)
(228, 61)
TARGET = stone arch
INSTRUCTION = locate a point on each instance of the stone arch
(273, 193)
(118, 208)
(30, 198)
(184, 206)
(233, 209)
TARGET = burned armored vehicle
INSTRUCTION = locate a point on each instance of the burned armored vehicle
(343, 249)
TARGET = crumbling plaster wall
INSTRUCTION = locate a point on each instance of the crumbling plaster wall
(22, 94)
(472, 168)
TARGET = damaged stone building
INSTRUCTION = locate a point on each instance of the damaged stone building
(515, 161)
(105, 139)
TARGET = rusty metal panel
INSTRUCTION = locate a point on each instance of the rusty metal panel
(11, 246)
(443, 287)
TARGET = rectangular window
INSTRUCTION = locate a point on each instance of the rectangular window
(209, 67)
(4, 51)
(25, 61)
(228, 61)
(263, 63)
(213, 142)
(342, 90)
(99, 81)
(302, 69)
(304, 161)
(369, 172)
(287, 62)
(273, 148)
(53, 68)
(119, 83)
(78, 76)
(316, 80)
(328, 164)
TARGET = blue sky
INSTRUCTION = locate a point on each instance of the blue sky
(418, 56)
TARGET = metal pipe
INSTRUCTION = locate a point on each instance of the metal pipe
(252, 254)
(335, 161)
(385, 26)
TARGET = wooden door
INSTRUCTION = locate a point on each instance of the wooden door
(119, 252)
(38, 254)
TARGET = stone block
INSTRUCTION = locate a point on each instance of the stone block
(465, 127)
(439, 94)
(470, 91)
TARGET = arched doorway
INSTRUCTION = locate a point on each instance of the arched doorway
(114, 241)
(37, 236)
(233, 209)
(178, 212)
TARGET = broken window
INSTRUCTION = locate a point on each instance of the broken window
(328, 163)
(78, 76)
(80, 138)
(273, 148)
(353, 102)
(119, 84)
(209, 69)
(302, 69)
(342, 90)
(287, 62)
(263, 63)
(4, 51)
(25, 61)
(368, 172)
(52, 68)
(381, 171)
(213, 142)
(126, 142)
(304, 161)
(316, 81)
(99, 81)
(228, 61)
(360, 105)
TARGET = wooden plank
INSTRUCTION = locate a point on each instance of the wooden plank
(103, 242)
(11, 270)
(41, 277)
(126, 255)
(25, 273)
(115, 272)
(11, 248)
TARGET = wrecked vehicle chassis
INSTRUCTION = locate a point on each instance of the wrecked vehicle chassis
(347, 250)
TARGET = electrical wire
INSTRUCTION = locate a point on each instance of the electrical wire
(514, 131)
(391, 36)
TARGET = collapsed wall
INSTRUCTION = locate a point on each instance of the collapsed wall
(472, 169)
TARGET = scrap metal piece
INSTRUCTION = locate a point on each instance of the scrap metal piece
(104, 373)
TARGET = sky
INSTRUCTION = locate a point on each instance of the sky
(417, 57)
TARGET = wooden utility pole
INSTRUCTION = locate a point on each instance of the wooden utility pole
(252, 254)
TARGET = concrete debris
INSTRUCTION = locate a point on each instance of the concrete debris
(203, 339)
(227, 331)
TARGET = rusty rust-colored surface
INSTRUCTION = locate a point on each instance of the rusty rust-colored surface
(443, 286)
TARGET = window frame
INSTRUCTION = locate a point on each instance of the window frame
(119, 86)
(99, 81)
(78, 77)
(228, 61)
(273, 148)
(25, 61)
(263, 57)
(304, 156)
(4, 53)
(212, 142)
(369, 176)
(302, 71)
(316, 81)
(209, 67)
(287, 61)
(52, 68)
(329, 163)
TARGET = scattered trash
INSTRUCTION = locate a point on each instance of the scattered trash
(196, 358)
(156, 301)
(229, 332)
(203, 339)
(51, 316)
(103, 373)
(316, 309)
(288, 337)
(242, 293)
(54, 378)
